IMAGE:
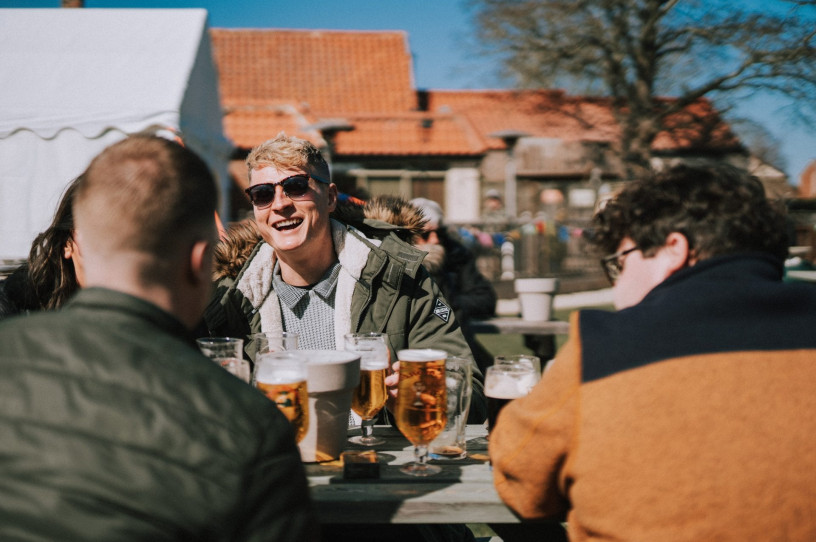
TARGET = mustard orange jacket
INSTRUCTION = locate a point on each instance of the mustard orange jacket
(691, 416)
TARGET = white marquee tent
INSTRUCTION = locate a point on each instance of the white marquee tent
(77, 80)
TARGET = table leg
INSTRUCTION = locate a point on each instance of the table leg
(542, 346)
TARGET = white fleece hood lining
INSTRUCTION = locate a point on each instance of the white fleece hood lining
(352, 253)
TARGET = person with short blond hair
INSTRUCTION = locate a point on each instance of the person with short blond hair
(324, 278)
(115, 426)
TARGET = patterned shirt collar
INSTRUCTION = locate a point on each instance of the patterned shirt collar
(291, 295)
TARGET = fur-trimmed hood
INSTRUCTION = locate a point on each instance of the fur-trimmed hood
(377, 218)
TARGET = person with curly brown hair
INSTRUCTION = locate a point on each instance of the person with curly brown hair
(688, 414)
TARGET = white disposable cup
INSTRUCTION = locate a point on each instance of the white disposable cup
(536, 297)
(332, 376)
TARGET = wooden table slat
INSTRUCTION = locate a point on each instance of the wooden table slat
(517, 325)
(462, 493)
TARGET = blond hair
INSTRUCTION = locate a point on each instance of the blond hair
(288, 152)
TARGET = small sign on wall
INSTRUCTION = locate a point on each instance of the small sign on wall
(582, 197)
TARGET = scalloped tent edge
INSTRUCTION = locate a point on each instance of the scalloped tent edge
(78, 80)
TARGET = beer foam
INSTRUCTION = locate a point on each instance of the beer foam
(509, 387)
(273, 373)
(373, 357)
(280, 368)
(326, 357)
(373, 364)
(421, 354)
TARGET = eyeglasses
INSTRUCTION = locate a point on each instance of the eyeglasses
(295, 187)
(613, 264)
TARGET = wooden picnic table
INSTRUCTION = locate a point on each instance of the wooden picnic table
(462, 493)
(518, 325)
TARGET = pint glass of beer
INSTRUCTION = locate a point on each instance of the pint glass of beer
(421, 408)
(281, 376)
(505, 382)
(450, 444)
(370, 394)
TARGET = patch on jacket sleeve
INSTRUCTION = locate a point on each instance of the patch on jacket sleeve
(442, 310)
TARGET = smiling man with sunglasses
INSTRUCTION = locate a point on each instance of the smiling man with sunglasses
(689, 414)
(324, 278)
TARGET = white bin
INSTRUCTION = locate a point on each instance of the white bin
(536, 297)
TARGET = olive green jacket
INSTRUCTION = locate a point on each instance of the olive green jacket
(382, 288)
(115, 427)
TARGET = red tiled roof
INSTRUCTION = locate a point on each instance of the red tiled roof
(249, 126)
(323, 71)
(553, 114)
(539, 113)
(410, 134)
(285, 80)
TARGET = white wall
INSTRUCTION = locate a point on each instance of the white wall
(462, 195)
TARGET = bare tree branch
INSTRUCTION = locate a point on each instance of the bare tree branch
(634, 51)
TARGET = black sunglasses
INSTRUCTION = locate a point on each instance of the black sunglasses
(295, 187)
(613, 264)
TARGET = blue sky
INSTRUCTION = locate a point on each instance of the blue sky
(438, 32)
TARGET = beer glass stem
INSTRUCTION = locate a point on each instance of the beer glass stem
(421, 454)
(367, 427)
(367, 437)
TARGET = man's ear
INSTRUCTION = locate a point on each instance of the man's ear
(331, 193)
(201, 262)
(676, 252)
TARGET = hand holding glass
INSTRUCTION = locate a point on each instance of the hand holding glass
(421, 408)
(370, 394)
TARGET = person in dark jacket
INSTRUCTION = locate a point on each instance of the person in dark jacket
(115, 427)
(453, 266)
(53, 271)
(688, 414)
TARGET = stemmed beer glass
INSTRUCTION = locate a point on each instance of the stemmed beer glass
(281, 376)
(421, 408)
(370, 394)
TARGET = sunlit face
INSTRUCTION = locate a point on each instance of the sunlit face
(640, 274)
(295, 228)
